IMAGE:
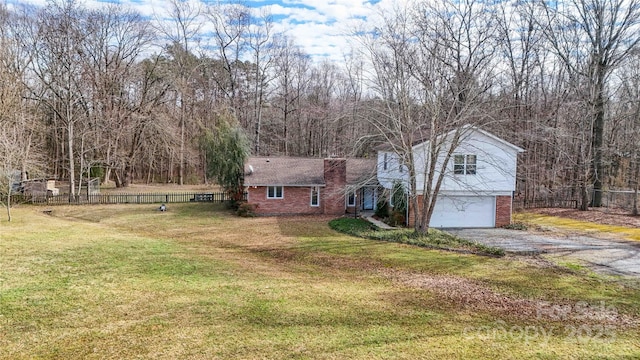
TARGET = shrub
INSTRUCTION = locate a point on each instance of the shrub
(397, 218)
(246, 210)
(434, 239)
(352, 226)
(515, 226)
(382, 208)
(399, 197)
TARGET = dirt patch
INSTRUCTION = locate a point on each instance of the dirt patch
(606, 216)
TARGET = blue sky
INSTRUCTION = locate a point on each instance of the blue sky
(319, 26)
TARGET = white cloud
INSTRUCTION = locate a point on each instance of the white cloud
(320, 27)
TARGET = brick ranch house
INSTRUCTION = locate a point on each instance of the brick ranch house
(477, 190)
(295, 186)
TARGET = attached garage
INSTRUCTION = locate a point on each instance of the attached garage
(464, 211)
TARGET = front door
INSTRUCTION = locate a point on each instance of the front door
(368, 198)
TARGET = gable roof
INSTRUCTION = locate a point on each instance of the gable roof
(285, 171)
(494, 137)
(362, 171)
(298, 171)
(465, 128)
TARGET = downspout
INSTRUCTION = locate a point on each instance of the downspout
(406, 210)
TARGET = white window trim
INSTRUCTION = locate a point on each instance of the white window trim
(465, 164)
(349, 203)
(316, 189)
(275, 192)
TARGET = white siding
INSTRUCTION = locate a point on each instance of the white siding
(495, 166)
(387, 176)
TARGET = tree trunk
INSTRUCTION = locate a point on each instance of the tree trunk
(181, 165)
(584, 204)
(72, 172)
(9, 203)
(635, 193)
(635, 201)
(128, 174)
(598, 131)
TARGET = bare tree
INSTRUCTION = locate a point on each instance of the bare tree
(114, 49)
(183, 31)
(260, 41)
(17, 125)
(626, 139)
(231, 26)
(591, 38)
(291, 66)
(62, 30)
(432, 72)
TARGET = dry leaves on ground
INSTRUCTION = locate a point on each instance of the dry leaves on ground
(608, 216)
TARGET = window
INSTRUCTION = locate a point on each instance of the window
(384, 166)
(275, 192)
(464, 164)
(315, 196)
(351, 199)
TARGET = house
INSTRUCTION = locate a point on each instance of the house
(478, 185)
(476, 191)
(291, 185)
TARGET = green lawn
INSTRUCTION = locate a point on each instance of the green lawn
(195, 282)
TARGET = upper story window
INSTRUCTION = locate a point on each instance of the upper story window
(315, 196)
(384, 166)
(464, 164)
(275, 192)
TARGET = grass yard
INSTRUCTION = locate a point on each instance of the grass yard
(125, 281)
(629, 231)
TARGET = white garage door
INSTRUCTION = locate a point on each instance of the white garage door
(464, 211)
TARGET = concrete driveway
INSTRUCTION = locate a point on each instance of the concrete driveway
(620, 257)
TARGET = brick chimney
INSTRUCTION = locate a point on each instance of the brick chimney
(335, 179)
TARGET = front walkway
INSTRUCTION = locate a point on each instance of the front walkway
(369, 217)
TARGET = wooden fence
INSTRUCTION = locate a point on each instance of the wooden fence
(148, 198)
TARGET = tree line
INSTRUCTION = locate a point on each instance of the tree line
(105, 92)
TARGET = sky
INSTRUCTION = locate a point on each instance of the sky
(320, 27)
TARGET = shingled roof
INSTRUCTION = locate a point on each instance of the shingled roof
(296, 171)
(361, 171)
